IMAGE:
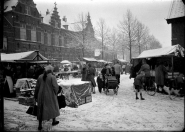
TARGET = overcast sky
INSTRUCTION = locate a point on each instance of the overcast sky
(152, 13)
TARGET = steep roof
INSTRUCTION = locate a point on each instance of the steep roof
(177, 9)
(8, 5)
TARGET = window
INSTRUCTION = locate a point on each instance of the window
(17, 33)
(57, 40)
(33, 34)
(45, 38)
(60, 41)
(28, 34)
(27, 10)
(38, 36)
(23, 32)
(49, 39)
(42, 37)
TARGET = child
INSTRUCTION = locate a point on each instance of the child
(100, 82)
(138, 81)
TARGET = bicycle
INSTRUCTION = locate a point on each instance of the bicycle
(151, 87)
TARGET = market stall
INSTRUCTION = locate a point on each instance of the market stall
(76, 91)
(172, 56)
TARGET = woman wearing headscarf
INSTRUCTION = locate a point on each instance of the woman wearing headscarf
(46, 96)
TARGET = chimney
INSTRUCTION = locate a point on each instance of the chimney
(47, 12)
(64, 19)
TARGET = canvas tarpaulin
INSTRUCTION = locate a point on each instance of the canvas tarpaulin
(74, 91)
(175, 50)
(90, 59)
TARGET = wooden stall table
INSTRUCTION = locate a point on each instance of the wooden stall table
(76, 91)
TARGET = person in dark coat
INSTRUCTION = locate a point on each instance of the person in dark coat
(138, 81)
(46, 96)
(99, 81)
(84, 72)
(8, 84)
(146, 69)
(90, 77)
(160, 73)
(106, 71)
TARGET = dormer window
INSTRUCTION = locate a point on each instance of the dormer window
(27, 10)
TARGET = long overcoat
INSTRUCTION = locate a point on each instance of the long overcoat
(46, 95)
(160, 73)
(84, 74)
(90, 76)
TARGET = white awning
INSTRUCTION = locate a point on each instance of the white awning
(65, 62)
(175, 50)
(23, 56)
(90, 59)
(121, 60)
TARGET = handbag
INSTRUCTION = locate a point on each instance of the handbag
(32, 110)
(61, 101)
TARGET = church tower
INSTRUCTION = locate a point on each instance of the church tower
(55, 18)
(89, 27)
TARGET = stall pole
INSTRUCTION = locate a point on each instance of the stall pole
(26, 70)
(172, 68)
(1, 101)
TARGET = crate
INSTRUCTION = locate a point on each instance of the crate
(26, 100)
(88, 99)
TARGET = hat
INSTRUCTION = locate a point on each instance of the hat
(49, 67)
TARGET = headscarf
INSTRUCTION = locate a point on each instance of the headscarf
(49, 67)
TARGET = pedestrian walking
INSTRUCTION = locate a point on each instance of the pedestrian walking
(123, 68)
(46, 96)
(106, 71)
(99, 81)
(84, 72)
(138, 82)
(90, 77)
(118, 70)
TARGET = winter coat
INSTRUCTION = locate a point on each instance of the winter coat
(90, 76)
(139, 80)
(46, 95)
(118, 69)
(160, 73)
(84, 74)
(99, 82)
(146, 69)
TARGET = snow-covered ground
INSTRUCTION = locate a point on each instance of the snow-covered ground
(106, 113)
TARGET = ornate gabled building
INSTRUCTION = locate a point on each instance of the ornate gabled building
(25, 29)
(177, 20)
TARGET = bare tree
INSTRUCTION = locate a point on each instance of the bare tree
(102, 33)
(142, 33)
(79, 35)
(128, 29)
(153, 43)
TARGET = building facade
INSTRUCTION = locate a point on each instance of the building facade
(177, 20)
(25, 29)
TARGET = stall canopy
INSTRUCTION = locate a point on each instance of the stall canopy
(65, 62)
(23, 56)
(121, 60)
(90, 59)
(103, 61)
(175, 50)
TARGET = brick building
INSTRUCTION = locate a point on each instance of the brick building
(25, 29)
(177, 19)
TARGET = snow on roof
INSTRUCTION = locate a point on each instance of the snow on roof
(8, 4)
(177, 9)
(121, 60)
(89, 59)
(29, 55)
(161, 52)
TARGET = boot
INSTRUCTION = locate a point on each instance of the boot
(141, 96)
(136, 97)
